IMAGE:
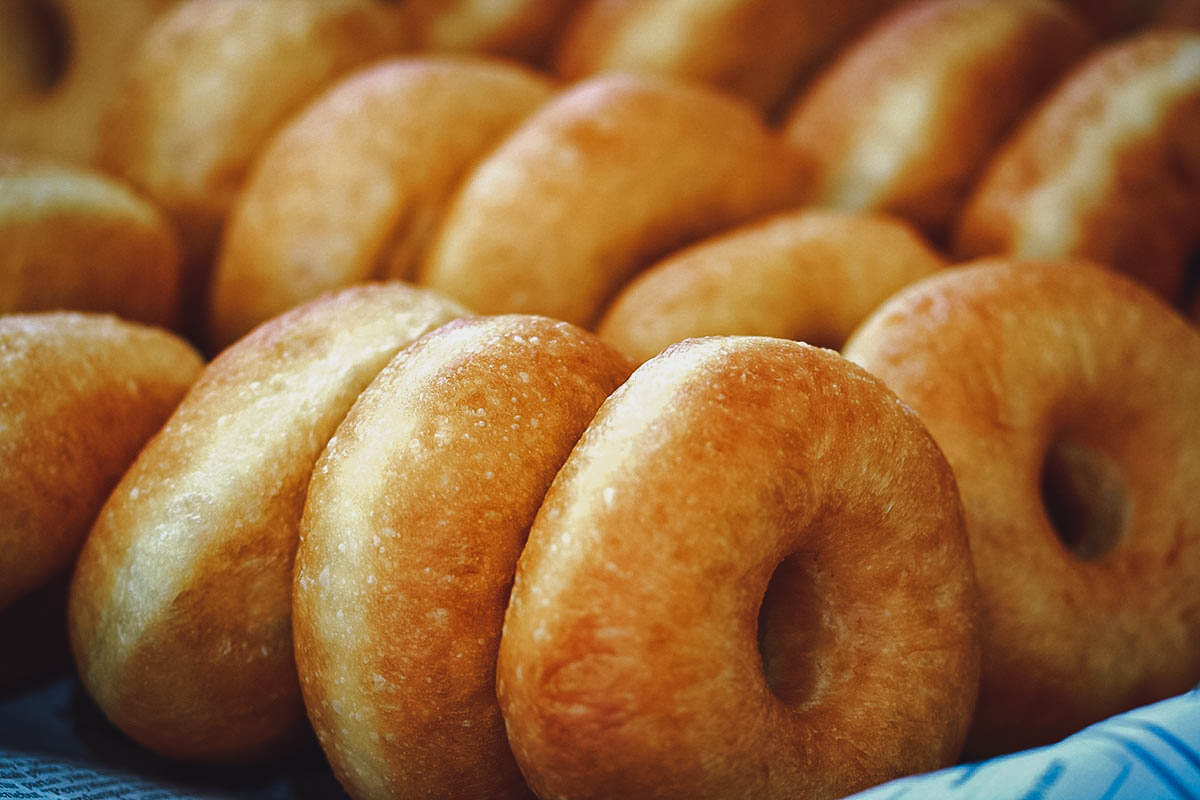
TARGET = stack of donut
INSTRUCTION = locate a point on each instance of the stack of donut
(519, 468)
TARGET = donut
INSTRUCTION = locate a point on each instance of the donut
(1067, 400)
(516, 28)
(352, 187)
(66, 60)
(595, 185)
(210, 80)
(1106, 169)
(79, 396)
(75, 239)
(809, 275)
(935, 86)
(752, 48)
(415, 517)
(180, 606)
(749, 579)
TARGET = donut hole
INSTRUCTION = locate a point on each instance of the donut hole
(52, 39)
(790, 632)
(1085, 499)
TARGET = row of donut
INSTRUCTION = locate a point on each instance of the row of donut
(747, 575)
(474, 177)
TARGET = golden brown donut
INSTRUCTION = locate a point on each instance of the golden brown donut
(79, 396)
(808, 275)
(180, 608)
(1067, 400)
(596, 184)
(750, 579)
(757, 49)
(415, 517)
(516, 28)
(352, 188)
(70, 57)
(71, 238)
(209, 82)
(907, 115)
(1105, 169)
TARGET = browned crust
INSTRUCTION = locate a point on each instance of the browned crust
(211, 79)
(1003, 360)
(180, 608)
(60, 115)
(353, 187)
(596, 184)
(752, 48)
(75, 239)
(79, 396)
(629, 665)
(399, 601)
(524, 29)
(807, 275)
(1146, 221)
(973, 99)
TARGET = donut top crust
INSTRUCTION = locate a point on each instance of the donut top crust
(517, 28)
(934, 86)
(716, 461)
(79, 395)
(751, 48)
(211, 79)
(1004, 360)
(353, 188)
(605, 178)
(64, 120)
(416, 514)
(180, 605)
(78, 239)
(809, 275)
(1105, 168)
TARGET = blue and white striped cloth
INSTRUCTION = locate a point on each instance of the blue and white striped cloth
(1150, 753)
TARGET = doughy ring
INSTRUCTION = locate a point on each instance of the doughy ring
(934, 87)
(212, 79)
(752, 48)
(806, 275)
(79, 396)
(1106, 169)
(79, 240)
(180, 608)
(1068, 377)
(352, 188)
(59, 109)
(634, 647)
(415, 518)
(596, 184)
(517, 28)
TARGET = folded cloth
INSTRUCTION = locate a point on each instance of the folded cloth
(1145, 754)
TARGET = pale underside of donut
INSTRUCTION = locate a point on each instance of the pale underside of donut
(72, 239)
(935, 86)
(79, 396)
(596, 184)
(806, 275)
(351, 189)
(415, 518)
(1108, 168)
(1028, 372)
(754, 49)
(212, 79)
(60, 115)
(180, 609)
(631, 664)
(517, 28)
